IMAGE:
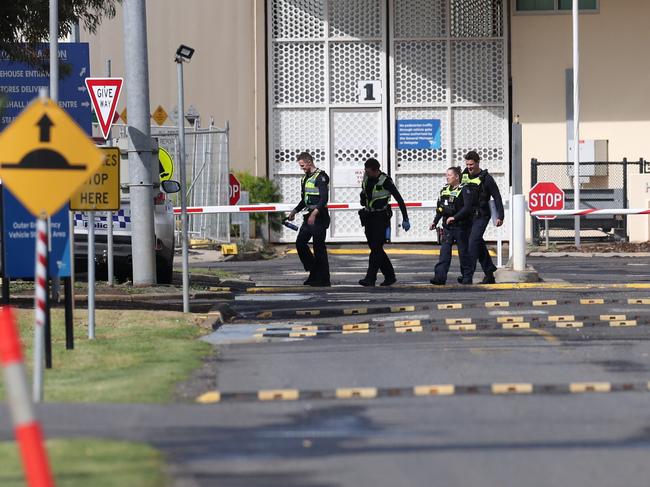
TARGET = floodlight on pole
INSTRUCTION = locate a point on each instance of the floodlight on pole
(183, 54)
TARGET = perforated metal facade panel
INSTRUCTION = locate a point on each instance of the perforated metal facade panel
(435, 59)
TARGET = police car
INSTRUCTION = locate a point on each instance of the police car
(122, 231)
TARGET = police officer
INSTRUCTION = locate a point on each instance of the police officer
(454, 208)
(315, 194)
(484, 188)
(376, 190)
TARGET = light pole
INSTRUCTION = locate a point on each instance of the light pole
(183, 54)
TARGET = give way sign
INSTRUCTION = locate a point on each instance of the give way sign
(104, 94)
(545, 195)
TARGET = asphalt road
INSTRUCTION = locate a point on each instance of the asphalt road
(413, 385)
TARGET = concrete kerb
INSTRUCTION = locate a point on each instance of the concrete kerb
(217, 316)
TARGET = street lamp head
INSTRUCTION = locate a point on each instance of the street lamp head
(184, 53)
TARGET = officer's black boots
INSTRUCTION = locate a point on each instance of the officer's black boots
(367, 282)
(488, 279)
(389, 281)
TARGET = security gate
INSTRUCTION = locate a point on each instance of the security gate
(343, 73)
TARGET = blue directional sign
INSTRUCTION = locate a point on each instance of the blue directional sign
(418, 134)
(20, 83)
(19, 237)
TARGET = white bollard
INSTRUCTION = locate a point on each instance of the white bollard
(519, 232)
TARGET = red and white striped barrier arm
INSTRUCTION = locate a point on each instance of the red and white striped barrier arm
(592, 211)
(286, 207)
(27, 428)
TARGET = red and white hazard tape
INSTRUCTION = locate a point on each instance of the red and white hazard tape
(27, 429)
(592, 211)
(287, 207)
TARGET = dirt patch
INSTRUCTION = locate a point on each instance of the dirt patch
(605, 247)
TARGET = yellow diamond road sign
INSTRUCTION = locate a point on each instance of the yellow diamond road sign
(45, 157)
(160, 115)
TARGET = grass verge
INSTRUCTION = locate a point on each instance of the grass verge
(85, 462)
(137, 356)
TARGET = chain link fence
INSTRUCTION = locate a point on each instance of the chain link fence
(603, 185)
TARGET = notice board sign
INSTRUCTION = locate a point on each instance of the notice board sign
(101, 192)
(418, 134)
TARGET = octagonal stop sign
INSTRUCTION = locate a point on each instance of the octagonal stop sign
(545, 195)
(234, 190)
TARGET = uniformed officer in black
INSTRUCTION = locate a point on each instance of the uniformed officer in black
(484, 187)
(454, 208)
(314, 197)
(376, 190)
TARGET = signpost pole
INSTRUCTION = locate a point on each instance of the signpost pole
(40, 277)
(109, 219)
(91, 275)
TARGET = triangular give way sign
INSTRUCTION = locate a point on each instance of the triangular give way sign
(104, 94)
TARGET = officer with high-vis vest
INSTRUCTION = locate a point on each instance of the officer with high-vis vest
(484, 187)
(454, 208)
(315, 194)
(376, 190)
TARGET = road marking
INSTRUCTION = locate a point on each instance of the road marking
(209, 397)
(545, 302)
(450, 306)
(511, 326)
(622, 323)
(580, 387)
(549, 337)
(561, 318)
(278, 395)
(514, 388)
(388, 251)
(352, 332)
(356, 392)
(497, 304)
(469, 327)
(355, 311)
(569, 324)
(436, 390)
(308, 312)
(612, 317)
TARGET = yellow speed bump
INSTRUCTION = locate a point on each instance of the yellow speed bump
(403, 323)
(308, 312)
(355, 326)
(612, 317)
(497, 304)
(545, 302)
(592, 301)
(638, 301)
(265, 315)
(568, 324)
(622, 323)
(352, 332)
(408, 329)
(209, 397)
(356, 392)
(400, 309)
(302, 334)
(514, 388)
(457, 321)
(434, 390)
(513, 326)
(355, 311)
(466, 327)
(278, 395)
(450, 306)
(510, 319)
(579, 387)
(304, 328)
(561, 318)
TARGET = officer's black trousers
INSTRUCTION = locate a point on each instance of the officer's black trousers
(478, 251)
(375, 230)
(316, 264)
(453, 235)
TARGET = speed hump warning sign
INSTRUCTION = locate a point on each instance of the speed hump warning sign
(102, 190)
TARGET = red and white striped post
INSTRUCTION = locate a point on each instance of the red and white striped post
(27, 428)
(40, 295)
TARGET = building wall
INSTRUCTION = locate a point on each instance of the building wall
(225, 78)
(615, 79)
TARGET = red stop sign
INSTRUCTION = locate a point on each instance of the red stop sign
(545, 195)
(234, 190)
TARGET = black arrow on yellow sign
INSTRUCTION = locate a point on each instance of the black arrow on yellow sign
(45, 124)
